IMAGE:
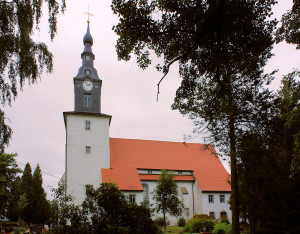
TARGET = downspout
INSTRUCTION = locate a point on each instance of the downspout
(193, 198)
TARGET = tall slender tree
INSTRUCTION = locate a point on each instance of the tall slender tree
(165, 195)
(266, 160)
(221, 47)
(40, 203)
(28, 193)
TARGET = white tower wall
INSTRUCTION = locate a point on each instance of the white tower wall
(85, 168)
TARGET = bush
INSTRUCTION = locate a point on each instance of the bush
(181, 222)
(160, 221)
(222, 228)
(201, 216)
(199, 225)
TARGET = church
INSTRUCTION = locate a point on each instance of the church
(134, 165)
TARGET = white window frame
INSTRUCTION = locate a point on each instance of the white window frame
(87, 100)
(145, 192)
(87, 125)
(222, 198)
(211, 198)
(132, 197)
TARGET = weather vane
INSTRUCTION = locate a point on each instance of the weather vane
(89, 14)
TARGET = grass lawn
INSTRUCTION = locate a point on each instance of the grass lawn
(173, 229)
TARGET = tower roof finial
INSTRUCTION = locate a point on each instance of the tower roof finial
(88, 37)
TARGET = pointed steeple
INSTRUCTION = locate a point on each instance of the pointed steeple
(87, 85)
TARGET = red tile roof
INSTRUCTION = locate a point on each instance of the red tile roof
(126, 155)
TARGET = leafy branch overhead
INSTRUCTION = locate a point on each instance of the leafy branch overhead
(22, 59)
(197, 32)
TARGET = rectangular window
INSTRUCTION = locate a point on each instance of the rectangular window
(87, 99)
(87, 125)
(211, 198)
(132, 197)
(145, 193)
(212, 214)
(88, 149)
(87, 58)
(180, 173)
(149, 171)
(222, 198)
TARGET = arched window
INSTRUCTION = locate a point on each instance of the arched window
(223, 215)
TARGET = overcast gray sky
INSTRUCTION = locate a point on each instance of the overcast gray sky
(128, 93)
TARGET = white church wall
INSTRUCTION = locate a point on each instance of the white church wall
(85, 168)
(216, 205)
(198, 199)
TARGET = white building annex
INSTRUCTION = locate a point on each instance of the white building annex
(92, 157)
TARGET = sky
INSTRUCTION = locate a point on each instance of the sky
(128, 92)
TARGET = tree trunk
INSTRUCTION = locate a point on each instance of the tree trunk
(234, 179)
(165, 223)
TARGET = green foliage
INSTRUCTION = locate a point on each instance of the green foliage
(269, 173)
(14, 209)
(165, 195)
(181, 222)
(110, 212)
(196, 225)
(5, 132)
(221, 228)
(221, 48)
(290, 26)
(40, 204)
(64, 212)
(22, 59)
(159, 220)
(8, 172)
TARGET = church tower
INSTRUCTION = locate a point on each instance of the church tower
(87, 129)
(87, 85)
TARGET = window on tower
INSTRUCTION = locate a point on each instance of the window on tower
(88, 72)
(87, 100)
(88, 149)
(87, 58)
(87, 125)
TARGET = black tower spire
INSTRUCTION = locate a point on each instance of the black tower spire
(87, 84)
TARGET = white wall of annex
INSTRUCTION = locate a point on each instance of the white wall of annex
(216, 206)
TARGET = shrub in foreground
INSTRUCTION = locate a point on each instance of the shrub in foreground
(222, 228)
(199, 225)
(181, 222)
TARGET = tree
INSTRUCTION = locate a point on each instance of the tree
(13, 211)
(110, 212)
(22, 59)
(165, 195)
(269, 178)
(8, 171)
(221, 47)
(290, 26)
(40, 203)
(28, 194)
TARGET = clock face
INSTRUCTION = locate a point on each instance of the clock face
(87, 85)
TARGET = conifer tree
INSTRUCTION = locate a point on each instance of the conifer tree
(27, 191)
(13, 213)
(41, 205)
